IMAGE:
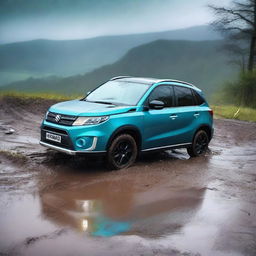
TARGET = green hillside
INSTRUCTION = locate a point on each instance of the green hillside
(202, 63)
(69, 57)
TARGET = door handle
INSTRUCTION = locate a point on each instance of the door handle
(173, 116)
(196, 115)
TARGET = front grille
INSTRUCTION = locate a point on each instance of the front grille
(65, 139)
(55, 130)
(60, 118)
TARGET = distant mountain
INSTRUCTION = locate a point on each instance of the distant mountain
(69, 57)
(201, 63)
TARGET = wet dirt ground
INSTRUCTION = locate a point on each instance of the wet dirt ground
(166, 204)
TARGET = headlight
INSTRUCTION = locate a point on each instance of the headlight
(82, 120)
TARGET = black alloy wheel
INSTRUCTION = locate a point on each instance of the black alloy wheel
(199, 145)
(122, 152)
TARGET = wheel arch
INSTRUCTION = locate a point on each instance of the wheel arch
(127, 129)
(206, 128)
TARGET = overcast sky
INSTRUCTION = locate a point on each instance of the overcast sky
(22, 20)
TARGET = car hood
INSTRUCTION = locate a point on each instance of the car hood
(85, 108)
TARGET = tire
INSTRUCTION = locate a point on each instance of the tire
(122, 152)
(199, 145)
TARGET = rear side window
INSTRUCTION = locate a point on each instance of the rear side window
(184, 96)
(199, 99)
(163, 93)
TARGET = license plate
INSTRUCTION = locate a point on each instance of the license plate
(53, 137)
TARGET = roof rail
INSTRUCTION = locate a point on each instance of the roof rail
(118, 77)
(178, 81)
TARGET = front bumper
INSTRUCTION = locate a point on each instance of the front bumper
(69, 151)
(94, 138)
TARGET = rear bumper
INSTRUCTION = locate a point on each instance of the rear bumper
(69, 151)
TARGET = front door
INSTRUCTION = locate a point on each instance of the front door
(160, 124)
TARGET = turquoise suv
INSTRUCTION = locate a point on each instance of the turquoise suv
(129, 115)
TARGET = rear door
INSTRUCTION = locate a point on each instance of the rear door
(187, 113)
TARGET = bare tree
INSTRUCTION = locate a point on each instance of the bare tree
(238, 23)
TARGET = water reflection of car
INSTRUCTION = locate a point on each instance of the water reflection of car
(108, 208)
(128, 115)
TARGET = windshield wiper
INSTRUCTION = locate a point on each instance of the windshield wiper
(104, 102)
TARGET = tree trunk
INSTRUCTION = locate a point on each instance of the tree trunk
(253, 40)
(252, 53)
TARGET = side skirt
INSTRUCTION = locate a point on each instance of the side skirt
(182, 145)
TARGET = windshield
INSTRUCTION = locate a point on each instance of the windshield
(118, 93)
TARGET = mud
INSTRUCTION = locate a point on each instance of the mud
(166, 204)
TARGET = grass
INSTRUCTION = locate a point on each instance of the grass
(47, 96)
(234, 112)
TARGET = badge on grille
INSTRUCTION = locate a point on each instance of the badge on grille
(57, 118)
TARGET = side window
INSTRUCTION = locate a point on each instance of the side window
(184, 96)
(163, 93)
(199, 99)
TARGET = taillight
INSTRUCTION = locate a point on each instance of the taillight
(211, 112)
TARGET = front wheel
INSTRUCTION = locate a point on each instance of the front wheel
(199, 145)
(122, 152)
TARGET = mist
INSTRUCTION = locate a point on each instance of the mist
(76, 19)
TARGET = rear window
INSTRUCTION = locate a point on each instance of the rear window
(184, 96)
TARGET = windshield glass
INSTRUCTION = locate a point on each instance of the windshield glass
(118, 92)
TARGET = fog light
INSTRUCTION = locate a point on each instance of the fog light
(84, 142)
(81, 143)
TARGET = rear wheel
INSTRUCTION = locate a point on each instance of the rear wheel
(122, 152)
(199, 145)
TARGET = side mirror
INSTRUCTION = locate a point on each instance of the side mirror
(156, 104)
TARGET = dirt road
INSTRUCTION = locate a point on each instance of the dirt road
(166, 204)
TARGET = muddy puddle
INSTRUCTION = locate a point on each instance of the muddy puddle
(166, 204)
(161, 206)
